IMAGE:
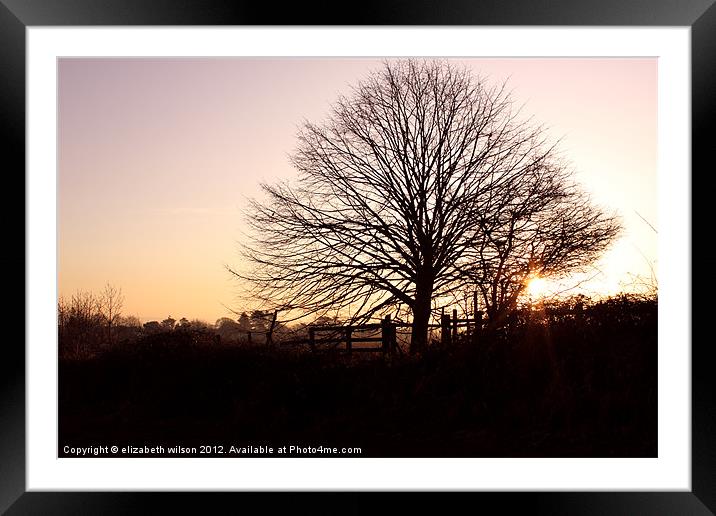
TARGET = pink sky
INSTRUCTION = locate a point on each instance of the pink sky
(157, 158)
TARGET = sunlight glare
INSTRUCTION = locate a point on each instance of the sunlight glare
(537, 287)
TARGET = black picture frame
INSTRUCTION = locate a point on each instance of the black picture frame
(16, 15)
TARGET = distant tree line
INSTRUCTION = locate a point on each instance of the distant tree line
(89, 324)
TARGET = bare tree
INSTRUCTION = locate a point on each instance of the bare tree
(401, 195)
(110, 304)
(540, 225)
(79, 322)
(63, 315)
(131, 321)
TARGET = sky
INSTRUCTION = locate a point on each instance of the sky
(158, 157)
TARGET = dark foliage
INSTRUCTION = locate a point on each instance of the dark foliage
(549, 384)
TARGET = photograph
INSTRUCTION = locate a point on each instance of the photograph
(357, 257)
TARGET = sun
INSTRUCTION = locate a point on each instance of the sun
(537, 287)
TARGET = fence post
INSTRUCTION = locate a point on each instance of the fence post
(393, 338)
(478, 326)
(312, 338)
(269, 335)
(454, 325)
(349, 340)
(385, 333)
(445, 329)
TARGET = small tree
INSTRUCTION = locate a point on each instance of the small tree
(227, 329)
(198, 324)
(110, 303)
(152, 327)
(79, 324)
(259, 320)
(168, 323)
(244, 322)
(130, 321)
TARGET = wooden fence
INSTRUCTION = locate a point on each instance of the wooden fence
(382, 337)
(352, 338)
(449, 327)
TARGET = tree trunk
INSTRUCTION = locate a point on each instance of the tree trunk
(421, 319)
(499, 314)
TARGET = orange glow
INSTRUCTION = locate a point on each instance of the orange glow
(537, 287)
(157, 158)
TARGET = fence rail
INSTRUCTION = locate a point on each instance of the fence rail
(348, 338)
(351, 335)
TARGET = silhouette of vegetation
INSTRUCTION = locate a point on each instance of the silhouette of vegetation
(420, 183)
(109, 305)
(424, 190)
(88, 322)
(562, 378)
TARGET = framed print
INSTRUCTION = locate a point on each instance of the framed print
(417, 250)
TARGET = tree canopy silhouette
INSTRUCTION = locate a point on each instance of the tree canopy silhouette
(423, 181)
